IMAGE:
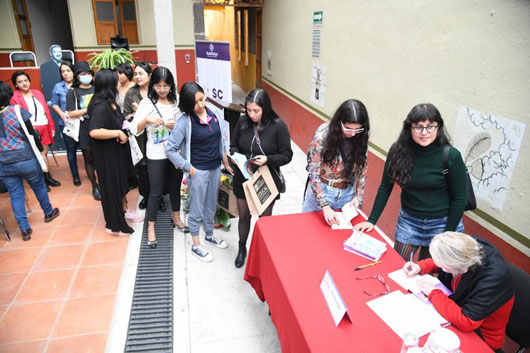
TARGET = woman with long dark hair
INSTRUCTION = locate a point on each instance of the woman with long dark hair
(109, 144)
(58, 103)
(142, 75)
(33, 101)
(431, 202)
(77, 100)
(157, 115)
(336, 161)
(196, 147)
(264, 139)
(126, 76)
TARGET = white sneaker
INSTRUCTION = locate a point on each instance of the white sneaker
(221, 244)
(202, 254)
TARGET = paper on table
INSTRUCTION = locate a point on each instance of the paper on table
(348, 213)
(242, 163)
(405, 313)
(409, 283)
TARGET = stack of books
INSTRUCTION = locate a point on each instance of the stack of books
(365, 246)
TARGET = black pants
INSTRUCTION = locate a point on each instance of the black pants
(164, 178)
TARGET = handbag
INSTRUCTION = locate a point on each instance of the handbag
(471, 202)
(136, 152)
(31, 140)
(71, 128)
(260, 191)
(278, 172)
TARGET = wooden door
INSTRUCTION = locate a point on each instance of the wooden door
(23, 24)
(128, 21)
(258, 47)
(105, 19)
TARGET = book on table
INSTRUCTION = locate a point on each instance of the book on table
(364, 245)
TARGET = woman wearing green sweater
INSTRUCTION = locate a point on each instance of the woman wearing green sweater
(431, 202)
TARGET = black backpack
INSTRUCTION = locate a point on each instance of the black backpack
(471, 202)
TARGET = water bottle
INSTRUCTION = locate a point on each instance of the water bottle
(410, 341)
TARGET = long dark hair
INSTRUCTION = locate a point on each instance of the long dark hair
(69, 64)
(400, 154)
(187, 96)
(15, 76)
(105, 88)
(353, 150)
(162, 73)
(261, 98)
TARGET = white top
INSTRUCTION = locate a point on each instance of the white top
(146, 108)
(38, 118)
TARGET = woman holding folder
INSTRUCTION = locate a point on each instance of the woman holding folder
(264, 139)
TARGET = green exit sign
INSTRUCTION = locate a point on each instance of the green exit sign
(317, 17)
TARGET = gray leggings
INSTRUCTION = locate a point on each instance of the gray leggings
(203, 188)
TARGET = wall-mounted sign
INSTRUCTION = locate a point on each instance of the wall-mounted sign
(318, 17)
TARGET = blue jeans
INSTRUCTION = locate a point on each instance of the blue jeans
(416, 231)
(336, 198)
(71, 153)
(12, 175)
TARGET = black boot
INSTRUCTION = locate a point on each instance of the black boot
(95, 192)
(50, 181)
(77, 181)
(241, 256)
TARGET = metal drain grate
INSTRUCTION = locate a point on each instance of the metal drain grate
(151, 320)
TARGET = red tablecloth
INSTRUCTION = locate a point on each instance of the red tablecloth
(287, 260)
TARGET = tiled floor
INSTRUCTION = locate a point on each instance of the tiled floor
(58, 290)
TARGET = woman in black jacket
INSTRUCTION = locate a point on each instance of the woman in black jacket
(259, 134)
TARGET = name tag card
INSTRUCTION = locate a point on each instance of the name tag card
(336, 305)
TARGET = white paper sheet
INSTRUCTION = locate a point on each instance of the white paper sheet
(405, 313)
(348, 213)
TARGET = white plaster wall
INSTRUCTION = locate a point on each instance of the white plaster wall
(183, 22)
(82, 23)
(393, 55)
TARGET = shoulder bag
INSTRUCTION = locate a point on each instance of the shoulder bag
(31, 140)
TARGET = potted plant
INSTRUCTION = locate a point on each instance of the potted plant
(110, 58)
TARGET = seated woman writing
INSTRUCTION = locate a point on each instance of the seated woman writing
(480, 280)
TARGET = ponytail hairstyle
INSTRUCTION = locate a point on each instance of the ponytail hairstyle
(353, 150)
(400, 154)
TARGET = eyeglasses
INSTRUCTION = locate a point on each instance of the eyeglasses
(161, 88)
(351, 131)
(380, 279)
(419, 128)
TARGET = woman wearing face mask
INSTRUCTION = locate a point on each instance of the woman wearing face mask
(196, 146)
(110, 151)
(336, 161)
(77, 100)
(259, 134)
(59, 92)
(142, 75)
(33, 101)
(431, 202)
(157, 115)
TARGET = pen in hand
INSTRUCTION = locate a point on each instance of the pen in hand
(409, 266)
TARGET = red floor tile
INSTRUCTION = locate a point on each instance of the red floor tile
(96, 281)
(110, 252)
(80, 216)
(100, 234)
(28, 322)
(18, 261)
(85, 200)
(9, 285)
(45, 285)
(31, 347)
(39, 237)
(60, 257)
(79, 344)
(71, 234)
(73, 319)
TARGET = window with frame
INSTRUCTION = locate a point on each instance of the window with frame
(113, 17)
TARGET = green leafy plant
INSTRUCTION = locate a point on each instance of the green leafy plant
(110, 58)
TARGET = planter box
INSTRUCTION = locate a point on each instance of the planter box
(227, 199)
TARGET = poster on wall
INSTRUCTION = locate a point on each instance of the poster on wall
(318, 84)
(489, 145)
(213, 69)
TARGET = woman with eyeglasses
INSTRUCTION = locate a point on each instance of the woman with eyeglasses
(259, 134)
(431, 202)
(336, 161)
(157, 115)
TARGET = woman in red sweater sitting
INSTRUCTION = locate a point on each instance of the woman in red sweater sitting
(480, 280)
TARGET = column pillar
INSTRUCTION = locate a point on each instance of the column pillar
(165, 40)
